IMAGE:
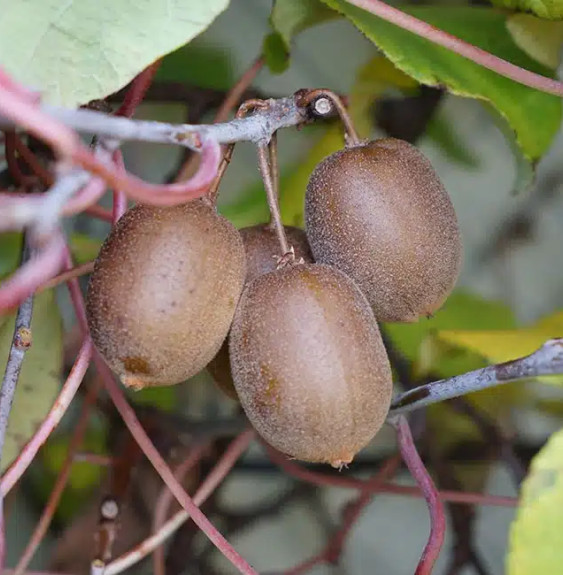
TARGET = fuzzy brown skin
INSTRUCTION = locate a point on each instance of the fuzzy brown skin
(309, 364)
(379, 213)
(164, 291)
(262, 247)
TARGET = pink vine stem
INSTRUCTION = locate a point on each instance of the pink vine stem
(138, 90)
(420, 474)
(66, 395)
(165, 499)
(200, 519)
(237, 447)
(332, 480)
(40, 268)
(469, 51)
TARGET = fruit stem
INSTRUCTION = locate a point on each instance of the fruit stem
(274, 169)
(352, 137)
(212, 192)
(275, 217)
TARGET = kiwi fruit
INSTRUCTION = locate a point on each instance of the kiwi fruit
(378, 212)
(308, 363)
(163, 292)
(261, 246)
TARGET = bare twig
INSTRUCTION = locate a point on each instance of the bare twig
(257, 128)
(473, 53)
(165, 499)
(231, 101)
(21, 342)
(435, 506)
(547, 360)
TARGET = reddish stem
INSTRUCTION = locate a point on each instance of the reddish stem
(325, 480)
(420, 474)
(75, 272)
(100, 213)
(237, 447)
(351, 513)
(11, 159)
(130, 419)
(119, 198)
(66, 395)
(165, 499)
(138, 90)
(60, 483)
(473, 53)
(156, 194)
(29, 117)
(33, 162)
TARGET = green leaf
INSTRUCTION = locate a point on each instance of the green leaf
(551, 9)
(442, 133)
(84, 248)
(535, 534)
(84, 477)
(39, 379)
(534, 116)
(541, 39)
(289, 17)
(10, 252)
(75, 52)
(276, 54)
(199, 63)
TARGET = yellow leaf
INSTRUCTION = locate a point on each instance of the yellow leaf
(504, 345)
(535, 535)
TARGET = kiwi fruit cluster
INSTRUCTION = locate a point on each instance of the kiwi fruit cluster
(293, 337)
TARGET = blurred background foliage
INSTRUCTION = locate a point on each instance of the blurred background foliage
(496, 144)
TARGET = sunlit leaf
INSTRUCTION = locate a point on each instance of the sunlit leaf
(535, 116)
(552, 9)
(462, 311)
(74, 52)
(275, 53)
(84, 477)
(541, 39)
(535, 535)
(289, 17)
(10, 252)
(39, 379)
(198, 63)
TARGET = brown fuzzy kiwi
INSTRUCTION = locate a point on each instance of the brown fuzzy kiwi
(309, 364)
(378, 212)
(261, 245)
(164, 291)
